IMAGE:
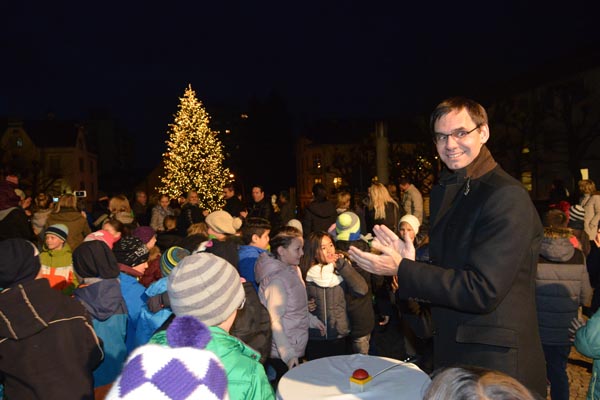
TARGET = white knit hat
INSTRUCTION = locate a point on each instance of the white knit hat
(205, 286)
(412, 221)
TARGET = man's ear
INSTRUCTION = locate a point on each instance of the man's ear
(484, 132)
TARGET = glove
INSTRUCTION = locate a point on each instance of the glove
(158, 302)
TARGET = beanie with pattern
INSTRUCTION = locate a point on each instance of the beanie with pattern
(183, 371)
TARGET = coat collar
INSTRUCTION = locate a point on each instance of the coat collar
(459, 181)
(482, 164)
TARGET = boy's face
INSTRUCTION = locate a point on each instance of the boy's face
(54, 242)
(262, 241)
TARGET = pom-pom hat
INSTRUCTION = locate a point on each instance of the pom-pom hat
(183, 371)
(222, 222)
(347, 226)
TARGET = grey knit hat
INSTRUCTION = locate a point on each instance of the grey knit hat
(205, 286)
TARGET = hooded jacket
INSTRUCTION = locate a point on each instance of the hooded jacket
(48, 348)
(318, 216)
(104, 302)
(587, 342)
(282, 292)
(562, 285)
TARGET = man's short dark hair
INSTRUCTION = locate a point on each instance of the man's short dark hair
(230, 186)
(403, 180)
(475, 110)
(254, 226)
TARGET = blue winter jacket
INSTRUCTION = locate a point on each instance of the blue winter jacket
(133, 293)
(105, 303)
(149, 322)
(248, 255)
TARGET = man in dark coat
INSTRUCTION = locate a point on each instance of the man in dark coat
(260, 206)
(484, 243)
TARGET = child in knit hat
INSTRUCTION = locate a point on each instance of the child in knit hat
(182, 371)
(222, 230)
(57, 259)
(157, 308)
(209, 288)
(148, 236)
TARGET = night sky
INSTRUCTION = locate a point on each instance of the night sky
(325, 59)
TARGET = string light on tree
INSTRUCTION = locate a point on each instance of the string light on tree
(194, 156)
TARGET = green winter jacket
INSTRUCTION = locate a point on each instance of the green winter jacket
(587, 342)
(246, 378)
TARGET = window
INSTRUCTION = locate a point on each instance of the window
(19, 142)
(91, 166)
(80, 164)
(337, 182)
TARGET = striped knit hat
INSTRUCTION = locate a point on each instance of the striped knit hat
(61, 231)
(576, 217)
(182, 371)
(205, 286)
(171, 258)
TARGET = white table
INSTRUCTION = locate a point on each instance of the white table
(328, 378)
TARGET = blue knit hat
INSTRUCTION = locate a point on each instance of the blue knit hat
(182, 371)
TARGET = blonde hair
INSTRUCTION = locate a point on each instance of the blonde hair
(587, 186)
(66, 200)
(343, 200)
(198, 228)
(119, 204)
(378, 196)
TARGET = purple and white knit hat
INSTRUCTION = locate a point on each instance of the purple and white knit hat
(181, 372)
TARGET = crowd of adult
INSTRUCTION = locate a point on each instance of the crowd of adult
(484, 291)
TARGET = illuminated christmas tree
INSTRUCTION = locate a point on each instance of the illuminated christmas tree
(194, 157)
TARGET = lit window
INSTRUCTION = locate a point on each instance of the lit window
(19, 142)
(337, 182)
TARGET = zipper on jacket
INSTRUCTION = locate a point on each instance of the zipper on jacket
(325, 314)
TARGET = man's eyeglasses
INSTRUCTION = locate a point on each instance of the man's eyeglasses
(458, 135)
